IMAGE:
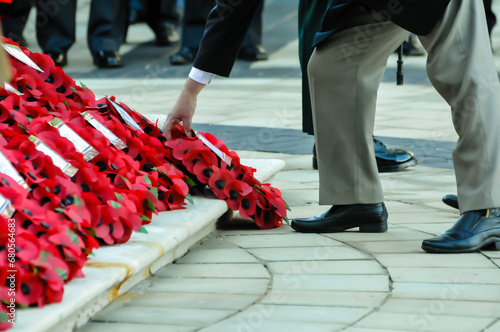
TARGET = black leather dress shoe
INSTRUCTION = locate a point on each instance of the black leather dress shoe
(392, 160)
(108, 59)
(166, 34)
(388, 160)
(472, 231)
(451, 200)
(370, 218)
(184, 57)
(412, 47)
(253, 53)
(59, 59)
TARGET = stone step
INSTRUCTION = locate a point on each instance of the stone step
(112, 270)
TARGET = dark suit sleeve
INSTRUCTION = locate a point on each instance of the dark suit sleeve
(226, 27)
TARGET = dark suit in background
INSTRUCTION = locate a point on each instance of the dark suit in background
(162, 17)
(56, 26)
(193, 27)
(310, 14)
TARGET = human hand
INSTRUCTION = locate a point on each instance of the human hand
(184, 108)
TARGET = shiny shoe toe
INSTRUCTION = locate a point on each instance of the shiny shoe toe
(59, 59)
(451, 200)
(166, 34)
(184, 57)
(108, 59)
(472, 231)
(394, 160)
(253, 53)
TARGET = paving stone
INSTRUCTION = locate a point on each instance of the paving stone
(414, 322)
(433, 229)
(439, 206)
(210, 285)
(375, 283)
(424, 216)
(298, 176)
(451, 291)
(393, 184)
(325, 298)
(284, 185)
(254, 271)
(194, 300)
(445, 275)
(306, 314)
(282, 240)
(442, 307)
(301, 196)
(389, 246)
(308, 253)
(428, 260)
(217, 256)
(417, 195)
(256, 231)
(494, 328)
(124, 327)
(496, 261)
(403, 208)
(215, 242)
(168, 316)
(495, 254)
(396, 234)
(307, 210)
(360, 329)
(327, 267)
(258, 323)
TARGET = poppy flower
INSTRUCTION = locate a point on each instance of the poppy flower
(204, 158)
(182, 146)
(30, 289)
(273, 195)
(27, 247)
(235, 191)
(218, 182)
(247, 206)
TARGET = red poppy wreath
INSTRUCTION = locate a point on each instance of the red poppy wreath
(76, 173)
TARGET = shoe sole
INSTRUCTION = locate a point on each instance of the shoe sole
(399, 167)
(491, 241)
(381, 169)
(374, 228)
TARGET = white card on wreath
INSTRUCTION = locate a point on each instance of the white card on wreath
(17, 53)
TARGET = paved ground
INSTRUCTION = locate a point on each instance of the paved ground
(244, 279)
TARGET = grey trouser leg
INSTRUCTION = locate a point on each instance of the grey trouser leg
(461, 68)
(344, 75)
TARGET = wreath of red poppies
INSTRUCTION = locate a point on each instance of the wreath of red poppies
(61, 217)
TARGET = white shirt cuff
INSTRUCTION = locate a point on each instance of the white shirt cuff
(201, 76)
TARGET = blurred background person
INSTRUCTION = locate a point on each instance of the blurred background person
(193, 26)
(56, 28)
(491, 19)
(162, 16)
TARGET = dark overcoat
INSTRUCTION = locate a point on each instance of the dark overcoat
(230, 19)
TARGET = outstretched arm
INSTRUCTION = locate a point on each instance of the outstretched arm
(226, 27)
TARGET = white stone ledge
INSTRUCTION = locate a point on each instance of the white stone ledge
(112, 270)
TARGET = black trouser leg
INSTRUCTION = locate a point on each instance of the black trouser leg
(310, 14)
(107, 24)
(13, 25)
(254, 34)
(193, 24)
(56, 25)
